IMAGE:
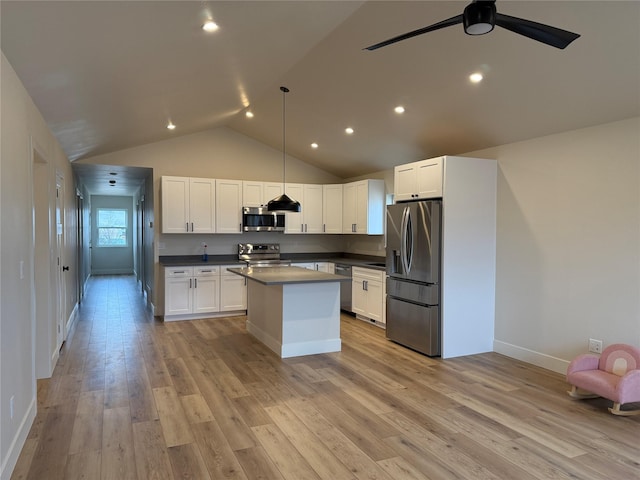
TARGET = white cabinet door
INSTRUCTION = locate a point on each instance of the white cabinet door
(363, 207)
(202, 201)
(312, 209)
(252, 193)
(418, 180)
(307, 265)
(233, 293)
(270, 191)
(429, 176)
(228, 206)
(349, 208)
(294, 221)
(404, 182)
(177, 290)
(375, 300)
(368, 293)
(206, 294)
(332, 208)
(175, 204)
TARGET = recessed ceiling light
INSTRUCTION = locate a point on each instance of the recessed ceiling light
(171, 126)
(248, 114)
(349, 130)
(210, 26)
(476, 77)
(314, 145)
(399, 109)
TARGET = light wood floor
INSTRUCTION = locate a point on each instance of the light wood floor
(135, 398)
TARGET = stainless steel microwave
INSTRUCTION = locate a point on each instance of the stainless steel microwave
(259, 219)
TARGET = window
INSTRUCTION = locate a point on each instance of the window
(112, 227)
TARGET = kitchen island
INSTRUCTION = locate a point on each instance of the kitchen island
(292, 310)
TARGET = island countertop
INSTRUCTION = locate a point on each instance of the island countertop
(286, 275)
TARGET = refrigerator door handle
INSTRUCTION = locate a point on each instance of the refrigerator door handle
(406, 247)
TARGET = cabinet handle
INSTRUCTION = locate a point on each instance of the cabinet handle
(178, 271)
(302, 228)
(190, 283)
(205, 271)
(187, 226)
(195, 283)
(192, 226)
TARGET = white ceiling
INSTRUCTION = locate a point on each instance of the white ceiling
(110, 75)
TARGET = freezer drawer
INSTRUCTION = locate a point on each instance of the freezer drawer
(414, 326)
(427, 294)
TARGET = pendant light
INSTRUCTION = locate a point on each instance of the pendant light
(283, 203)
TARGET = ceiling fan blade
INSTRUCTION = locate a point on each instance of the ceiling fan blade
(553, 36)
(436, 26)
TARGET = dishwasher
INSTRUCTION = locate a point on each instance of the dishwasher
(344, 270)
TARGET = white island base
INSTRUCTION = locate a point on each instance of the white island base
(295, 319)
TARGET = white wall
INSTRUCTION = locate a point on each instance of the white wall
(568, 242)
(23, 129)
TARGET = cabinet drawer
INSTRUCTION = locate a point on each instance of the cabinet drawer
(207, 271)
(368, 274)
(178, 272)
(224, 269)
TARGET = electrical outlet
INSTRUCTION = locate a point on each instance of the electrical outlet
(595, 346)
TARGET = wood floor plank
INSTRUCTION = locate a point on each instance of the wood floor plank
(118, 461)
(233, 410)
(321, 459)
(87, 425)
(85, 465)
(257, 464)
(151, 456)
(218, 456)
(196, 409)
(187, 463)
(172, 417)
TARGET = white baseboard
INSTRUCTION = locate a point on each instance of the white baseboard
(9, 462)
(72, 320)
(543, 360)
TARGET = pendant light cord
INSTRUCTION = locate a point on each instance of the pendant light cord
(284, 90)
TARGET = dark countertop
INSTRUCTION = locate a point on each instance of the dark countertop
(354, 260)
(286, 275)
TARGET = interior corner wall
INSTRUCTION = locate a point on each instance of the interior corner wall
(568, 243)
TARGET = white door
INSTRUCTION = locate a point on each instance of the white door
(60, 263)
(332, 208)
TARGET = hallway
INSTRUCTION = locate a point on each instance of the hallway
(136, 398)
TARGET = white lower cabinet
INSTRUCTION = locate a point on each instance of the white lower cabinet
(368, 294)
(327, 267)
(233, 290)
(201, 291)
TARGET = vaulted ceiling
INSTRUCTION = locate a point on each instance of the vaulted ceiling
(111, 75)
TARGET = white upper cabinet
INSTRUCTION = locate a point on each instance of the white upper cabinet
(188, 205)
(258, 194)
(228, 206)
(418, 180)
(309, 219)
(332, 208)
(363, 207)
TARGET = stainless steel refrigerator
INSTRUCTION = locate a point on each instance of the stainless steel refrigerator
(413, 275)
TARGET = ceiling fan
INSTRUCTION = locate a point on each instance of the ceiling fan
(480, 17)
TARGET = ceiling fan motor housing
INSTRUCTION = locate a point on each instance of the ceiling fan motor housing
(479, 18)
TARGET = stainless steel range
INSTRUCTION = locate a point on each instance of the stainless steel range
(261, 255)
